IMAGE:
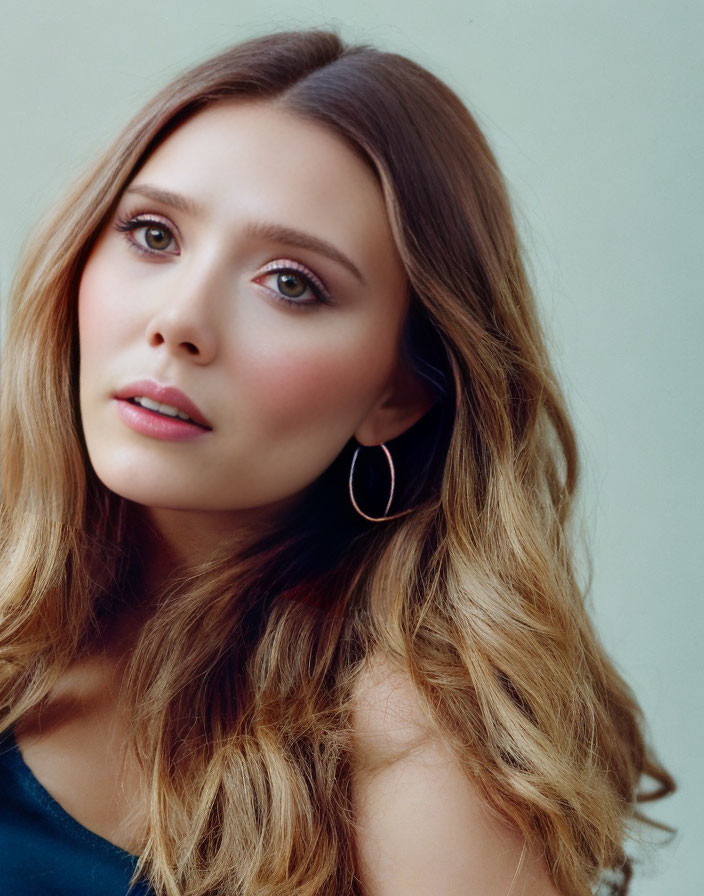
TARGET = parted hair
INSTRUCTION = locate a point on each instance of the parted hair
(241, 682)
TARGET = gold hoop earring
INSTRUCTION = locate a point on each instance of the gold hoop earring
(386, 516)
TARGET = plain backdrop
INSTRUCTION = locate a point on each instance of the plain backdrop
(595, 111)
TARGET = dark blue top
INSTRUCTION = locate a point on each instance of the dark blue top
(44, 851)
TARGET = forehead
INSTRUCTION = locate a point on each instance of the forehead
(259, 161)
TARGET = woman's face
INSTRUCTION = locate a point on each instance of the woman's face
(250, 264)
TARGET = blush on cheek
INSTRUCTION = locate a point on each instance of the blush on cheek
(90, 308)
(106, 317)
(293, 388)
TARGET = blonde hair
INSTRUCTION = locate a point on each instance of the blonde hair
(242, 680)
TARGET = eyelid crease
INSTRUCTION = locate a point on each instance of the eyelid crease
(146, 217)
(287, 264)
(129, 223)
(319, 298)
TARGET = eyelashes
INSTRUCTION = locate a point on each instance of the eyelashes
(296, 286)
(152, 227)
(292, 274)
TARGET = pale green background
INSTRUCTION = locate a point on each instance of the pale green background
(595, 111)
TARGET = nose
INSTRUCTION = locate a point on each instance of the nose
(185, 321)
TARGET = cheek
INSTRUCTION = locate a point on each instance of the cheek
(91, 325)
(89, 330)
(331, 377)
(100, 311)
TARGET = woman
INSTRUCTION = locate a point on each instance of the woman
(289, 601)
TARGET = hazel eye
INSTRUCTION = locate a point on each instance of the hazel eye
(156, 237)
(148, 235)
(293, 284)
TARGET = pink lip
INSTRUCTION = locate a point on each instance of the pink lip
(155, 425)
(165, 395)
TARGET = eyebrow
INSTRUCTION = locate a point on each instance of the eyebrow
(175, 200)
(256, 229)
(289, 235)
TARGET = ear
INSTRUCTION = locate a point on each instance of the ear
(401, 405)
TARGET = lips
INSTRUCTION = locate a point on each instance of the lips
(165, 395)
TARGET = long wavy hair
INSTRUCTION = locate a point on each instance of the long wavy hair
(242, 680)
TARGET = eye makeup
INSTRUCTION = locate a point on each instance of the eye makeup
(130, 225)
(155, 229)
(313, 282)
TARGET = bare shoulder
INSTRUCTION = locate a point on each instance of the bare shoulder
(388, 716)
(421, 827)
